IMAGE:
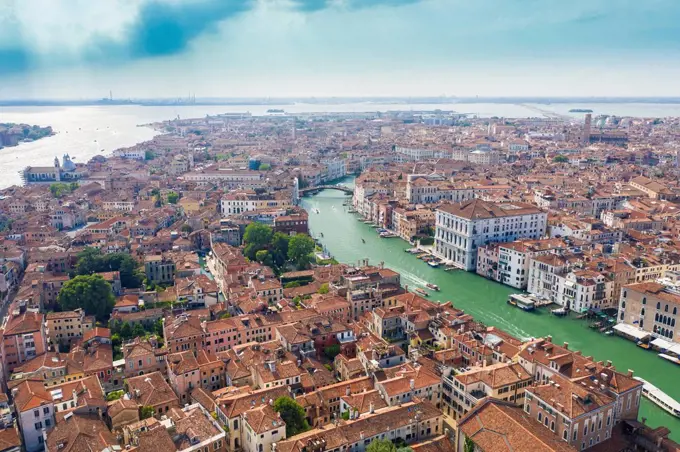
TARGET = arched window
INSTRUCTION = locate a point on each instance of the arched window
(642, 312)
(665, 309)
(625, 293)
(675, 310)
(658, 305)
(656, 317)
(644, 300)
(623, 305)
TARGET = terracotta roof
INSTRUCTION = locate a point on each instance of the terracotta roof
(153, 390)
(477, 209)
(497, 426)
(80, 433)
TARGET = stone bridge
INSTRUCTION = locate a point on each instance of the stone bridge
(318, 188)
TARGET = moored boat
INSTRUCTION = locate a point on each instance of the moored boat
(560, 312)
(673, 359)
(521, 301)
(659, 398)
(433, 263)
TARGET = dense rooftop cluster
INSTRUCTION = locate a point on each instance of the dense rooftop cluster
(158, 299)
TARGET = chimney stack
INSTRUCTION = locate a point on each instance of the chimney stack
(630, 373)
(566, 345)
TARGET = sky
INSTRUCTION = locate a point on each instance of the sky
(80, 49)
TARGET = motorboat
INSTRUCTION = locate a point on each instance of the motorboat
(432, 286)
(673, 359)
(560, 312)
(659, 398)
(433, 264)
(421, 292)
(522, 302)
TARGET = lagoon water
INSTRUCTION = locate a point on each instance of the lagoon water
(84, 132)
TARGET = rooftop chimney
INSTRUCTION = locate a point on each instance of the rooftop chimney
(630, 372)
(566, 345)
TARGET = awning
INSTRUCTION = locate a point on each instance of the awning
(661, 344)
(675, 349)
(631, 331)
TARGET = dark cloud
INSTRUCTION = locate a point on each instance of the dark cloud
(163, 29)
(14, 60)
(317, 5)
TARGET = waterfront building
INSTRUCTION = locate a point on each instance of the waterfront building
(509, 263)
(652, 307)
(433, 188)
(462, 228)
(581, 414)
(134, 153)
(66, 172)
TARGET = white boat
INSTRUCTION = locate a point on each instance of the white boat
(432, 286)
(522, 302)
(659, 398)
(433, 264)
(670, 358)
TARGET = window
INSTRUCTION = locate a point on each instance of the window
(46, 410)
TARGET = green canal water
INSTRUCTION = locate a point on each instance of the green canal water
(486, 300)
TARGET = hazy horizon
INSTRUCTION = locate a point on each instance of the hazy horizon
(79, 49)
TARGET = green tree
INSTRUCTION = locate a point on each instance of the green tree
(323, 289)
(186, 228)
(291, 285)
(138, 330)
(292, 414)
(560, 159)
(332, 351)
(257, 237)
(300, 249)
(173, 197)
(149, 155)
(89, 292)
(126, 331)
(91, 260)
(146, 412)
(73, 186)
(469, 445)
(60, 189)
(264, 258)
(279, 248)
(115, 395)
(381, 445)
(265, 167)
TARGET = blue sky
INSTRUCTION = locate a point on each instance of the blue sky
(151, 48)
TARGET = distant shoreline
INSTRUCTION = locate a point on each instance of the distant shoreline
(334, 101)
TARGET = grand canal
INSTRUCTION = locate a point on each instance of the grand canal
(486, 300)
